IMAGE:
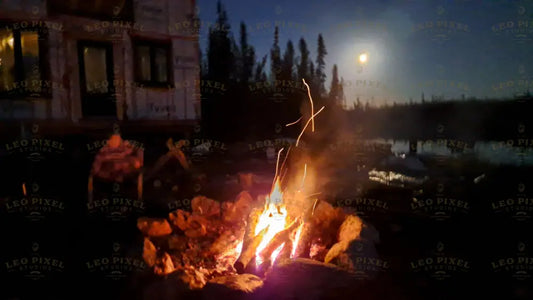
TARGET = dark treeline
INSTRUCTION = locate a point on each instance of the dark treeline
(245, 95)
(480, 120)
(248, 96)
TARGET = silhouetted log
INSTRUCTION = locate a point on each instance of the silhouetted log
(249, 252)
(278, 240)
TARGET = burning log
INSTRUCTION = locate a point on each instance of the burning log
(249, 252)
(286, 251)
(304, 245)
(279, 239)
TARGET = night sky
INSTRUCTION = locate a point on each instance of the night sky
(484, 51)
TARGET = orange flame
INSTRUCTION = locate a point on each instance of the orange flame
(275, 217)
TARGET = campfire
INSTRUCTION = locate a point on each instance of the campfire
(220, 243)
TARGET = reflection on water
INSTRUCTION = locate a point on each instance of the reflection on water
(395, 179)
(494, 152)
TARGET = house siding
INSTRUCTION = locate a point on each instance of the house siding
(153, 19)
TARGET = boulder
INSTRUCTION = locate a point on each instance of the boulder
(154, 227)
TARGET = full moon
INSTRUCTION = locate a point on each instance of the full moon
(363, 57)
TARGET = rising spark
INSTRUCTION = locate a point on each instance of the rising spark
(285, 159)
(303, 179)
(277, 164)
(311, 195)
(307, 124)
(290, 124)
(312, 105)
(314, 206)
(24, 188)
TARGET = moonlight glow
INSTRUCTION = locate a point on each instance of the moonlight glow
(363, 58)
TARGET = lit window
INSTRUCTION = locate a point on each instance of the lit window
(21, 72)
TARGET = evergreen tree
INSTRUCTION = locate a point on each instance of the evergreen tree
(287, 66)
(275, 57)
(312, 79)
(341, 93)
(260, 74)
(321, 65)
(334, 91)
(303, 66)
(220, 58)
(247, 56)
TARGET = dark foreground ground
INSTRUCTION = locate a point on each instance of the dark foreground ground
(449, 238)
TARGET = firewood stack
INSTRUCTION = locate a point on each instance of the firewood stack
(204, 245)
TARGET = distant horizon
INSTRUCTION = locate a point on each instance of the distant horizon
(409, 51)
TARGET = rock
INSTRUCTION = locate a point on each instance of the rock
(170, 287)
(241, 282)
(205, 207)
(335, 251)
(154, 226)
(164, 265)
(307, 279)
(325, 223)
(239, 210)
(177, 242)
(196, 226)
(178, 218)
(361, 258)
(192, 277)
(231, 287)
(149, 253)
(350, 229)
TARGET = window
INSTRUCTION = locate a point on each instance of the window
(152, 67)
(21, 63)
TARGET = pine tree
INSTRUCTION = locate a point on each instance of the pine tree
(303, 66)
(312, 79)
(220, 58)
(247, 56)
(321, 65)
(275, 57)
(334, 88)
(341, 93)
(287, 66)
(260, 74)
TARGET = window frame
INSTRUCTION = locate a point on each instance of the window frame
(19, 72)
(152, 45)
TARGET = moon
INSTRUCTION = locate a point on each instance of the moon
(363, 58)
